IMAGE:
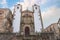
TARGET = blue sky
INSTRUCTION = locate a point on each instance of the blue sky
(46, 4)
(50, 9)
(12, 2)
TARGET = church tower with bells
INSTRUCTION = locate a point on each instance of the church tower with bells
(25, 20)
(37, 18)
(17, 16)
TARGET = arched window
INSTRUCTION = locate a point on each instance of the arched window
(27, 31)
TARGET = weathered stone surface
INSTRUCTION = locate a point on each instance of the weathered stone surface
(7, 36)
(5, 20)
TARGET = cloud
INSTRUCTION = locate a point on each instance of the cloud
(3, 3)
(29, 3)
(51, 15)
(42, 1)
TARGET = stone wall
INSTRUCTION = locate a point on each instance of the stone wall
(15, 36)
(48, 36)
(7, 36)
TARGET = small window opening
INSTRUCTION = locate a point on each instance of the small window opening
(17, 7)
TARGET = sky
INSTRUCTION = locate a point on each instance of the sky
(50, 9)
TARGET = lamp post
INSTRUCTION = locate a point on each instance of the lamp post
(59, 27)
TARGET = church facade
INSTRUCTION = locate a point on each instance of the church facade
(26, 25)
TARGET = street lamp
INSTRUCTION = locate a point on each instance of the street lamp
(59, 26)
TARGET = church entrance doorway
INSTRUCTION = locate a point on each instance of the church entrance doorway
(27, 31)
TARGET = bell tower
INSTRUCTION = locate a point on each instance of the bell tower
(17, 17)
(37, 18)
(27, 23)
